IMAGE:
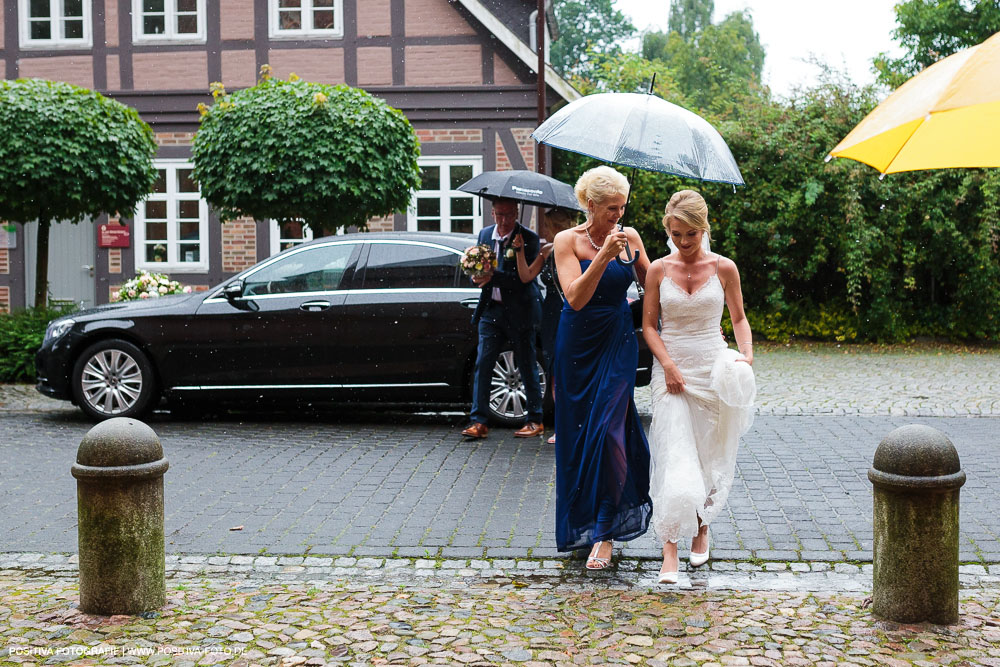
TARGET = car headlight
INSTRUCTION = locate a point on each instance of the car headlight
(58, 329)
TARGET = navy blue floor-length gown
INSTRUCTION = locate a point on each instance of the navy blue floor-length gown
(602, 456)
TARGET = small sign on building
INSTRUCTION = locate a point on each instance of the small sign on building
(8, 236)
(113, 236)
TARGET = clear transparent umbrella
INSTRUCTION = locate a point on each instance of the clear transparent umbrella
(641, 131)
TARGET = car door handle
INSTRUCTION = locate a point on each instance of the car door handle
(471, 303)
(314, 306)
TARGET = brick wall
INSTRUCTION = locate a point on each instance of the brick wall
(526, 145)
(434, 17)
(450, 136)
(503, 162)
(239, 245)
(374, 18)
(381, 224)
(444, 65)
(502, 74)
(174, 138)
(4, 260)
(163, 70)
(237, 19)
(111, 23)
(114, 260)
(78, 70)
(319, 65)
(239, 68)
(4, 299)
(375, 66)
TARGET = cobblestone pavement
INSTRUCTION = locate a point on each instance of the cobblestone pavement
(454, 617)
(413, 488)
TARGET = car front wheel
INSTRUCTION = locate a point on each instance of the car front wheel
(508, 403)
(113, 378)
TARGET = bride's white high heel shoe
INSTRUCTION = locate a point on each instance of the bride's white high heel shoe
(698, 559)
(669, 576)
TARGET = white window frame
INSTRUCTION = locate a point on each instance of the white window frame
(275, 235)
(445, 194)
(56, 17)
(172, 196)
(306, 31)
(170, 24)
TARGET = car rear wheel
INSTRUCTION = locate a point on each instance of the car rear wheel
(508, 403)
(113, 378)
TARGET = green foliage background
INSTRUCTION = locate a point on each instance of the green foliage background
(68, 152)
(21, 335)
(333, 156)
(826, 250)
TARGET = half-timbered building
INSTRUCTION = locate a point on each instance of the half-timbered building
(463, 72)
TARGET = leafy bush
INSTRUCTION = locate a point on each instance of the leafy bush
(21, 334)
(333, 156)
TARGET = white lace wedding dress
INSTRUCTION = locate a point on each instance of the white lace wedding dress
(694, 435)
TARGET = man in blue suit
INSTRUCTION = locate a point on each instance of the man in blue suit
(508, 310)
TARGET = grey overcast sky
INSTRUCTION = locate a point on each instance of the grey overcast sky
(846, 34)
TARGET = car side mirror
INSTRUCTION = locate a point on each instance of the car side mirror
(233, 291)
(234, 295)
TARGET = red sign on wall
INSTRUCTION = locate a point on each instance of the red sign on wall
(113, 236)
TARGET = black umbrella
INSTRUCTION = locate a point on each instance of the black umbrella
(526, 187)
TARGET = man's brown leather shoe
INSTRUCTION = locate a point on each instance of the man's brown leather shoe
(529, 430)
(477, 430)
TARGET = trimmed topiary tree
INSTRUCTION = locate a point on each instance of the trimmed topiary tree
(332, 156)
(68, 153)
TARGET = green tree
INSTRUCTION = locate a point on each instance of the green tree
(587, 27)
(333, 156)
(713, 65)
(690, 17)
(929, 30)
(68, 153)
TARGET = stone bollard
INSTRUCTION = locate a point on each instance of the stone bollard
(119, 471)
(917, 476)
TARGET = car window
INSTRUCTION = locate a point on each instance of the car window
(314, 270)
(398, 265)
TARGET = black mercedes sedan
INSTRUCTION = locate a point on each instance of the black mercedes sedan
(371, 317)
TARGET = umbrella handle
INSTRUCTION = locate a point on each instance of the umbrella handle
(632, 259)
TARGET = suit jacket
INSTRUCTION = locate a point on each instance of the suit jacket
(521, 302)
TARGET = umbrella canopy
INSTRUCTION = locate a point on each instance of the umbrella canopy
(523, 186)
(641, 131)
(946, 116)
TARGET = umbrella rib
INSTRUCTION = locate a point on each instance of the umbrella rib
(902, 145)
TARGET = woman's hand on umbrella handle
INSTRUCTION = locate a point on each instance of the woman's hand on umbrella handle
(614, 244)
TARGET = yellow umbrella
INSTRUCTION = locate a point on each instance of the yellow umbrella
(946, 116)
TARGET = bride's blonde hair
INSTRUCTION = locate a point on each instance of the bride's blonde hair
(688, 207)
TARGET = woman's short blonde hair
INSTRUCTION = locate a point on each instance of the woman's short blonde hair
(688, 207)
(600, 183)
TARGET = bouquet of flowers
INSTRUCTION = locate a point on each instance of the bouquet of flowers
(477, 260)
(148, 285)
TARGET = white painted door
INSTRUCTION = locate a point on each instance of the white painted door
(71, 262)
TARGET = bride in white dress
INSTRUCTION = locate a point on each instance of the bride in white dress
(702, 391)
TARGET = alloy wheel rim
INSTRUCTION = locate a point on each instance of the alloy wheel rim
(507, 397)
(111, 382)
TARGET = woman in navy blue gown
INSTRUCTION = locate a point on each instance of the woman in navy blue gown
(602, 457)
